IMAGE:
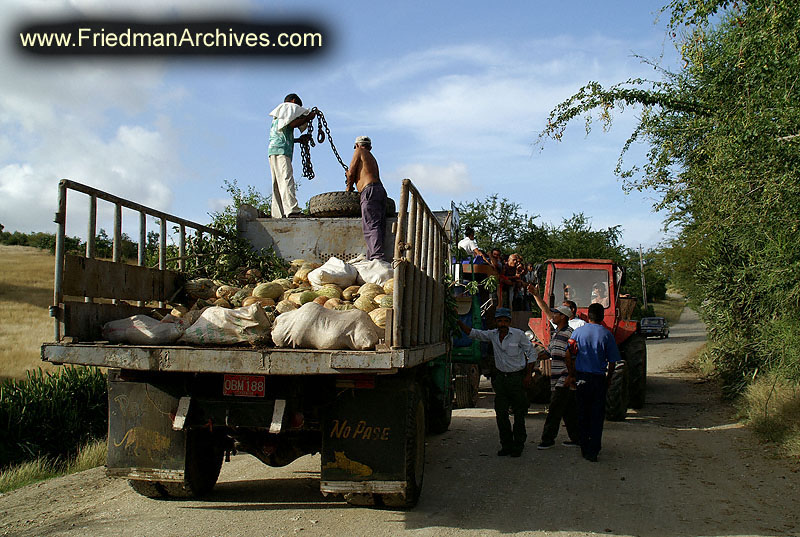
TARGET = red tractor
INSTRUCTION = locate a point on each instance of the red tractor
(585, 281)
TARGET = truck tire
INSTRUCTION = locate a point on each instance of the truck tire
(415, 453)
(467, 382)
(203, 464)
(341, 204)
(634, 352)
(617, 395)
(149, 489)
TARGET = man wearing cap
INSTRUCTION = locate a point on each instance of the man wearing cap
(285, 118)
(562, 395)
(514, 357)
(574, 320)
(591, 360)
(363, 173)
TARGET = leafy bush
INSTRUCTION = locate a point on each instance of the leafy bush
(51, 414)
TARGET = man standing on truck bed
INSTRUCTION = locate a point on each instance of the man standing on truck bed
(363, 173)
(285, 118)
(591, 361)
(514, 357)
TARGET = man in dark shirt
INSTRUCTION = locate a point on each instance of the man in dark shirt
(595, 352)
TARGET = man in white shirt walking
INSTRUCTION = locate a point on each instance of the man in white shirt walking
(514, 357)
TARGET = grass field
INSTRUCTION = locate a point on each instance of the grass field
(670, 308)
(26, 292)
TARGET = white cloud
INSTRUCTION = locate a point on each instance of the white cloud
(451, 178)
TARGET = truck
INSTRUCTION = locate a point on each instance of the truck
(584, 281)
(176, 412)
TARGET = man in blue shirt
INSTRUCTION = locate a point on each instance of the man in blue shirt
(514, 357)
(286, 117)
(593, 353)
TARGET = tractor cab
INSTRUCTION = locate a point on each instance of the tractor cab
(586, 282)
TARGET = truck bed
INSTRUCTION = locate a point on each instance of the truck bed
(239, 360)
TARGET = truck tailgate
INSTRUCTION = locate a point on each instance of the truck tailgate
(266, 361)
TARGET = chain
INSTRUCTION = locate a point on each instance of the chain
(322, 132)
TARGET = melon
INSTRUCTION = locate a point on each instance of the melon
(222, 303)
(388, 287)
(237, 299)
(370, 288)
(286, 283)
(365, 304)
(265, 302)
(201, 288)
(348, 293)
(331, 303)
(307, 296)
(321, 300)
(378, 317)
(268, 290)
(284, 305)
(344, 307)
(386, 302)
(330, 290)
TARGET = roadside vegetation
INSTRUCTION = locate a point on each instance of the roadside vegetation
(89, 455)
(723, 161)
(670, 308)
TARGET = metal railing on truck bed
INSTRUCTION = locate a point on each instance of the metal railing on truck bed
(414, 333)
(90, 278)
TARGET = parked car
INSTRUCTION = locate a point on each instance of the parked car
(654, 326)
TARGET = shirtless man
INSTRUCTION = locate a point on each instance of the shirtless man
(363, 174)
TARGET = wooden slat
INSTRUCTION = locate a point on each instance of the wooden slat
(104, 279)
(84, 322)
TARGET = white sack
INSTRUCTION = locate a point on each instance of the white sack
(142, 330)
(285, 113)
(224, 326)
(373, 271)
(315, 327)
(333, 271)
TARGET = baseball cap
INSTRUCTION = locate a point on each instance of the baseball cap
(563, 310)
(502, 312)
(364, 140)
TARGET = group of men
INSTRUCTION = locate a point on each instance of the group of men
(582, 357)
(362, 173)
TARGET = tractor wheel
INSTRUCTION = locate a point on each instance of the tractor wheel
(203, 464)
(467, 381)
(415, 453)
(617, 395)
(634, 352)
(341, 204)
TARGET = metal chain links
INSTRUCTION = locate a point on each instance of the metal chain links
(306, 145)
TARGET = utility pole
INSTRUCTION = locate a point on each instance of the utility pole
(641, 269)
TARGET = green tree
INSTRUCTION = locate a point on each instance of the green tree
(723, 134)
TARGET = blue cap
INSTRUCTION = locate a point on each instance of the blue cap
(502, 312)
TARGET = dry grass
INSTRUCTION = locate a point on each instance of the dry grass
(89, 456)
(670, 308)
(26, 292)
(771, 406)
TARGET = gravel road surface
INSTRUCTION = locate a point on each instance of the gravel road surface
(681, 466)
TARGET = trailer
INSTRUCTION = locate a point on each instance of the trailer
(177, 412)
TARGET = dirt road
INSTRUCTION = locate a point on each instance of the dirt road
(679, 467)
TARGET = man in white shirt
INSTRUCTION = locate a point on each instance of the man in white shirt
(469, 245)
(514, 357)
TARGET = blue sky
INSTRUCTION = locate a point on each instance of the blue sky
(452, 94)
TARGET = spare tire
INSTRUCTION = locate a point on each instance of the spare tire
(341, 204)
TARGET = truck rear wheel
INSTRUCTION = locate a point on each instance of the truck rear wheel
(203, 464)
(415, 453)
(634, 352)
(617, 395)
(467, 382)
(440, 413)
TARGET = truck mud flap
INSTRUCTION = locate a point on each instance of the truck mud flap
(364, 439)
(141, 441)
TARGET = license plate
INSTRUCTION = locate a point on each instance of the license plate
(243, 385)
